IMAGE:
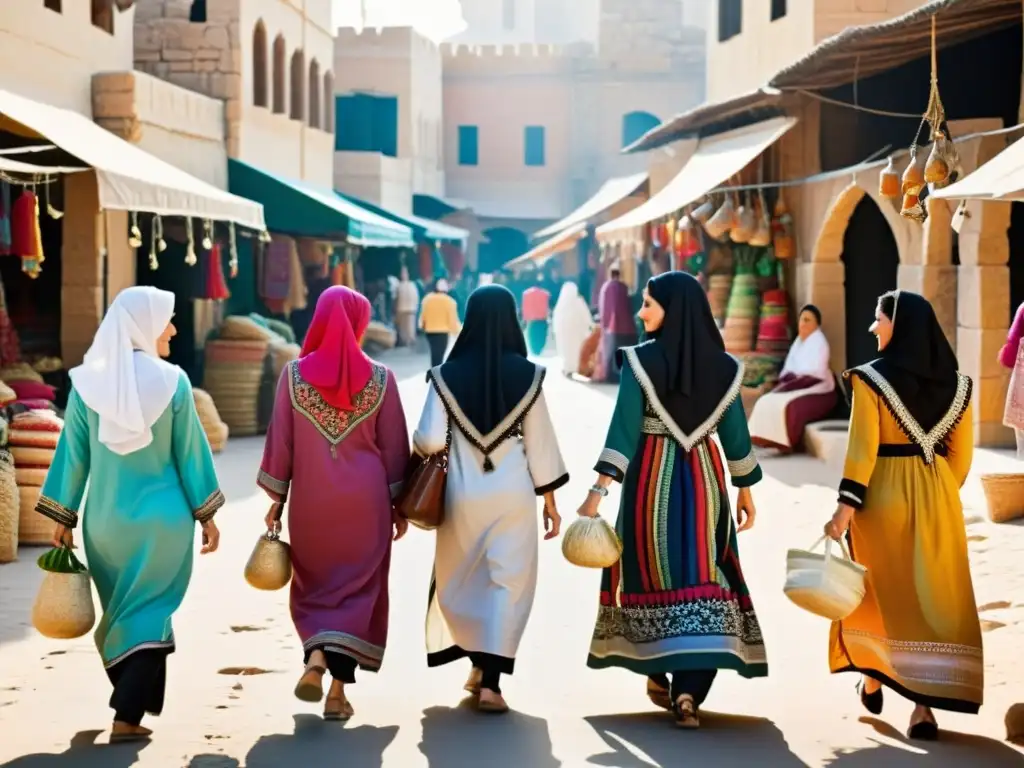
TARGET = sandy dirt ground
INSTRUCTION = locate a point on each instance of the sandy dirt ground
(230, 702)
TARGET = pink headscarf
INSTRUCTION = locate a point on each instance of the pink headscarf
(332, 360)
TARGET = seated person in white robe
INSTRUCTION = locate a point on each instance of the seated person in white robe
(806, 391)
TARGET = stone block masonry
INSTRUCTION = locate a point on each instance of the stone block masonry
(205, 57)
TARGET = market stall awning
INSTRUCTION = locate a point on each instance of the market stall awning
(717, 159)
(689, 123)
(1001, 178)
(434, 207)
(129, 178)
(296, 208)
(870, 49)
(610, 193)
(423, 229)
(563, 241)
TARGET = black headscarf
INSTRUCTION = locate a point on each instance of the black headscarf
(487, 371)
(918, 362)
(685, 359)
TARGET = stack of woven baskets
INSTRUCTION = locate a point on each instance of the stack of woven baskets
(33, 439)
(762, 365)
(216, 430)
(719, 287)
(741, 315)
(242, 368)
(9, 501)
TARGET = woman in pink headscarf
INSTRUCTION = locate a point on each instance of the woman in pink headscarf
(337, 451)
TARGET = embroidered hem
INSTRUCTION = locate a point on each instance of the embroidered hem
(272, 485)
(368, 655)
(333, 423)
(616, 459)
(710, 423)
(149, 645)
(927, 441)
(57, 512)
(209, 508)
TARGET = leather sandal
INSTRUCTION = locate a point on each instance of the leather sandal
(492, 706)
(311, 685)
(658, 693)
(872, 702)
(122, 733)
(338, 708)
(685, 711)
(472, 685)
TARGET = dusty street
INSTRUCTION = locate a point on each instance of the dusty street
(230, 703)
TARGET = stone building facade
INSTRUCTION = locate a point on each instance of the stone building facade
(269, 61)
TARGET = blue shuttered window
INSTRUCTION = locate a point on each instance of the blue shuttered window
(469, 149)
(533, 145)
(366, 123)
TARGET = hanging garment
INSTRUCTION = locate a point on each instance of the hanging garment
(5, 218)
(26, 237)
(216, 285)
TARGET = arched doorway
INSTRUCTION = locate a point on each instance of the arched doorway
(505, 244)
(871, 260)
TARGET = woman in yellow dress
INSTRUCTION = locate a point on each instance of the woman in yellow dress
(910, 447)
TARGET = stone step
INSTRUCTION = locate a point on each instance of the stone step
(826, 440)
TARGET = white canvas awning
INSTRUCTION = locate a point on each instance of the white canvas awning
(611, 192)
(716, 160)
(1001, 178)
(559, 243)
(128, 178)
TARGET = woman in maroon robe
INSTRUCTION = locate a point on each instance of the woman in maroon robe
(337, 450)
(618, 328)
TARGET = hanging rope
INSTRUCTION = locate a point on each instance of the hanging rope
(935, 113)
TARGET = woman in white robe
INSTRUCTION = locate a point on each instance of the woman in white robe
(572, 322)
(806, 391)
(503, 455)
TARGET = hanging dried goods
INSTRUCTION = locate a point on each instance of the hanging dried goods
(763, 233)
(889, 181)
(913, 177)
(704, 211)
(783, 234)
(722, 221)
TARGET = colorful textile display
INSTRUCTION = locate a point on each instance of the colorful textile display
(10, 346)
(5, 218)
(741, 314)
(773, 330)
(26, 237)
(216, 285)
(232, 376)
(719, 287)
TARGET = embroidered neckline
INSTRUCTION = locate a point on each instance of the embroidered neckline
(688, 441)
(504, 430)
(927, 441)
(333, 423)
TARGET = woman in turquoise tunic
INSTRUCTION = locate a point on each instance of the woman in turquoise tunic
(131, 430)
(676, 603)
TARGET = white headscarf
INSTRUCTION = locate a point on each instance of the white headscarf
(122, 377)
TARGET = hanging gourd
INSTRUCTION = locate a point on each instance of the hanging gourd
(135, 234)
(783, 231)
(913, 209)
(913, 178)
(746, 222)
(190, 248)
(51, 211)
(936, 168)
(889, 181)
(704, 211)
(722, 221)
(763, 233)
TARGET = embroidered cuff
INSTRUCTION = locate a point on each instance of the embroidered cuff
(612, 464)
(278, 489)
(751, 478)
(209, 507)
(852, 493)
(743, 467)
(554, 485)
(57, 512)
(396, 488)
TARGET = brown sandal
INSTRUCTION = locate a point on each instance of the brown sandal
(129, 733)
(311, 685)
(338, 708)
(492, 706)
(658, 694)
(472, 685)
(686, 712)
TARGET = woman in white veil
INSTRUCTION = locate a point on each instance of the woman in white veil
(572, 323)
(132, 433)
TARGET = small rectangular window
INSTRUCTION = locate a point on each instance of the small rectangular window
(778, 9)
(197, 13)
(730, 19)
(53, 5)
(508, 14)
(533, 145)
(469, 149)
(103, 15)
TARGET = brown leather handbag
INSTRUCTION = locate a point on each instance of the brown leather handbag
(421, 501)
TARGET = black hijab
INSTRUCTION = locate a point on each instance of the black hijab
(487, 371)
(685, 359)
(917, 362)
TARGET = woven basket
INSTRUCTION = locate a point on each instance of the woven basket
(590, 542)
(827, 586)
(33, 528)
(9, 510)
(63, 609)
(239, 327)
(1005, 496)
(30, 476)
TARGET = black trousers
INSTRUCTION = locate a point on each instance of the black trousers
(490, 665)
(438, 343)
(341, 666)
(139, 683)
(696, 682)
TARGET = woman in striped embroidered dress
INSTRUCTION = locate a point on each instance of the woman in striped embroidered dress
(910, 448)
(337, 450)
(677, 603)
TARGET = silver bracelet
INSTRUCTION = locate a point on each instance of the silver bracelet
(602, 492)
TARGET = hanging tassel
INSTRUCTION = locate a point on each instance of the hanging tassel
(154, 264)
(50, 210)
(233, 260)
(488, 464)
(265, 236)
(190, 250)
(158, 228)
(207, 234)
(135, 236)
(216, 287)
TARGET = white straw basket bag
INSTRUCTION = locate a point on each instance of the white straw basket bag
(827, 586)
